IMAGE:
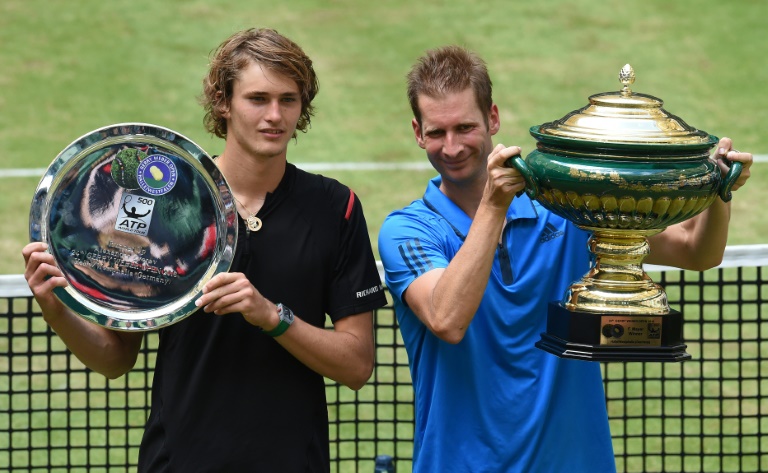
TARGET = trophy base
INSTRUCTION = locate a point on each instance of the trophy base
(610, 337)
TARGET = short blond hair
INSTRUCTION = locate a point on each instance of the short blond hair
(446, 70)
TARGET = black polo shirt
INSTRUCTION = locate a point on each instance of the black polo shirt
(228, 398)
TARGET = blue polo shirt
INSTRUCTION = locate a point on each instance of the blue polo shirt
(494, 402)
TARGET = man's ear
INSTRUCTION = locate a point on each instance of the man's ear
(222, 105)
(494, 123)
(418, 134)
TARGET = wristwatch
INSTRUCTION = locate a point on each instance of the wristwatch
(286, 319)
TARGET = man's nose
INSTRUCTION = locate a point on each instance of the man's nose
(452, 145)
(274, 112)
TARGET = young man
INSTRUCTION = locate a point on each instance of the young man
(239, 385)
(487, 400)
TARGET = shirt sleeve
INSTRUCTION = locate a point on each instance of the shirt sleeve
(356, 285)
(410, 245)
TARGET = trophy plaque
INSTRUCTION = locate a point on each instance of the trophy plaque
(138, 218)
(624, 169)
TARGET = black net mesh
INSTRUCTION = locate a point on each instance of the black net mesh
(704, 415)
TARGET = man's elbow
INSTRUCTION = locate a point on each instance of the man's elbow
(360, 377)
(114, 368)
(114, 373)
(448, 333)
(109, 371)
(705, 263)
(356, 386)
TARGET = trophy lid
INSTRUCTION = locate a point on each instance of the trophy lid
(624, 118)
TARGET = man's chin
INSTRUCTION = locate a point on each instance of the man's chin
(271, 151)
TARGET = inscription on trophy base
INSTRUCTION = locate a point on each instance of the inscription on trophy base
(607, 337)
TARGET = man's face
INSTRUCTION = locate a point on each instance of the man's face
(263, 112)
(455, 136)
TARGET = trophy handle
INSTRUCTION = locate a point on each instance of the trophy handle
(730, 179)
(531, 183)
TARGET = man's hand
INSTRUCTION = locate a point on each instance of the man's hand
(725, 152)
(503, 182)
(228, 293)
(43, 276)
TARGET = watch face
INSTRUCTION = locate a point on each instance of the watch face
(285, 313)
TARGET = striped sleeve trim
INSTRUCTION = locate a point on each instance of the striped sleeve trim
(350, 205)
(415, 258)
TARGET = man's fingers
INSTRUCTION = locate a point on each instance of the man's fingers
(215, 282)
(224, 287)
(501, 153)
(227, 303)
(44, 279)
(40, 262)
(32, 248)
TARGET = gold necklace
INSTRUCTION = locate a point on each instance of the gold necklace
(253, 222)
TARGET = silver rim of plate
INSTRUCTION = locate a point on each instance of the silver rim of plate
(138, 218)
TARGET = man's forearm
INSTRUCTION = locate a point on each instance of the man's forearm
(460, 289)
(345, 354)
(695, 244)
(100, 349)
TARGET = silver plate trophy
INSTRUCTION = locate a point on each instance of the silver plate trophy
(138, 218)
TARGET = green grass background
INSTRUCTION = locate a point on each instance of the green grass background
(71, 67)
(68, 67)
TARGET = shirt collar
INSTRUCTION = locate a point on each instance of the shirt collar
(521, 207)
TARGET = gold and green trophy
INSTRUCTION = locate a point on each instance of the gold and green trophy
(624, 169)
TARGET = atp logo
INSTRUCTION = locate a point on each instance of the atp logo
(135, 214)
(157, 174)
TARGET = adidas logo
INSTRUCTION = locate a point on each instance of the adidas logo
(550, 232)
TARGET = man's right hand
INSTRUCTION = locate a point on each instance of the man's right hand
(43, 275)
(503, 182)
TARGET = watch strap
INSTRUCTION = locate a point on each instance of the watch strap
(286, 319)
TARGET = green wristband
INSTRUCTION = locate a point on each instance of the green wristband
(286, 319)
